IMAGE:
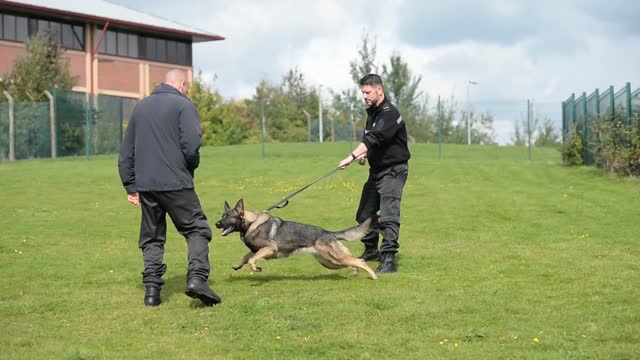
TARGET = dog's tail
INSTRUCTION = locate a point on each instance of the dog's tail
(359, 231)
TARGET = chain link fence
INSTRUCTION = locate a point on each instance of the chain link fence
(82, 125)
(580, 113)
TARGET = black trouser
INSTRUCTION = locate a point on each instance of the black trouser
(383, 191)
(186, 214)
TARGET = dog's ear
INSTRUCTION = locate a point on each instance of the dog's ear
(226, 206)
(240, 206)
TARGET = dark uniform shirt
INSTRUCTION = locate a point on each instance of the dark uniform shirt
(385, 136)
(160, 149)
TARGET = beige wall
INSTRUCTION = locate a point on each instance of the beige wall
(77, 66)
(9, 53)
(118, 75)
(112, 75)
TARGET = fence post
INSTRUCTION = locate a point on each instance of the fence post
(628, 88)
(308, 117)
(12, 143)
(613, 101)
(564, 120)
(573, 110)
(52, 123)
(597, 103)
(585, 136)
(87, 127)
(439, 129)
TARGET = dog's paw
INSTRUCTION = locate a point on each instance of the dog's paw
(257, 269)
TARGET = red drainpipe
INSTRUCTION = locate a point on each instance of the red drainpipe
(94, 52)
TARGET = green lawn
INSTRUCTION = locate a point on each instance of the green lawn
(501, 258)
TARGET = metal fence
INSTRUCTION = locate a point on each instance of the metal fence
(71, 124)
(84, 125)
(578, 113)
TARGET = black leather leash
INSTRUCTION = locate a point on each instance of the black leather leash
(285, 201)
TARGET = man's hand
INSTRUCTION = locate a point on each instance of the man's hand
(134, 198)
(345, 162)
(362, 160)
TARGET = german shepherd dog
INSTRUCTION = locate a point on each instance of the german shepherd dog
(269, 237)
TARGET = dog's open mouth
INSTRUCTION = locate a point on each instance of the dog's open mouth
(227, 231)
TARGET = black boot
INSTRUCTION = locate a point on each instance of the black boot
(199, 289)
(370, 253)
(387, 263)
(152, 296)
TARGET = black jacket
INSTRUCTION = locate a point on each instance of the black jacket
(385, 136)
(160, 149)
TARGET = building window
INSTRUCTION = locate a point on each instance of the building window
(161, 50)
(123, 49)
(9, 27)
(151, 48)
(111, 42)
(55, 32)
(20, 28)
(67, 36)
(43, 26)
(133, 45)
(126, 44)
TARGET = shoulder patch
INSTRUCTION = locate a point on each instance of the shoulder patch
(399, 121)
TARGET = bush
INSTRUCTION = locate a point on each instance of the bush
(616, 145)
(572, 148)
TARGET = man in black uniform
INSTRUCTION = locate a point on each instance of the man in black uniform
(384, 144)
(158, 158)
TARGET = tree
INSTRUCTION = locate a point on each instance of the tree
(401, 86)
(365, 64)
(41, 68)
(546, 135)
(223, 122)
(541, 135)
(285, 107)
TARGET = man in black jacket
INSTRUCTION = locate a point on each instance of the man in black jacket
(384, 144)
(158, 158)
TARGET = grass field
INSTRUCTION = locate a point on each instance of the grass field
(501, 258)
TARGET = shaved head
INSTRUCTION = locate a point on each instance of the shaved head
(178, 79)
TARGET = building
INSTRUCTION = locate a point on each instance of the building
(112, 49)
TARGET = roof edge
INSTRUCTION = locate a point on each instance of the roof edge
(195, 36)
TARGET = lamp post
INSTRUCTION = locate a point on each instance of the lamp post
(469, 112)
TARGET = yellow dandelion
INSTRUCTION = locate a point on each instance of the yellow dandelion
(536, 340)
(441, 342)
(445, 340)
(515, 338)
(278, 337)
(455, 344)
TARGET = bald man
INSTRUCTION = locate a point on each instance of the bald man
(158, 159)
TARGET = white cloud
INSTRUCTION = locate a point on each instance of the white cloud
(515, 50)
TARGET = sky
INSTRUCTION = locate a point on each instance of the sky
(514, 50)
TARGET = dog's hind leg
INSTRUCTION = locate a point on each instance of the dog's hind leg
(244, 261)
(265, 252)
(340, 257)
(362, 265)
